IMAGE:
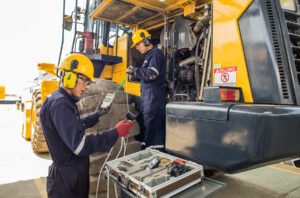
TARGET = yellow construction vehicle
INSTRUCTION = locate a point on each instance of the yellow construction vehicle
(6, 98)
(232, 72)
(2, 92)
(233, 75)
(32, 99)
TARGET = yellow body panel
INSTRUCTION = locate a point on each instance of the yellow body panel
(47, 87)
(133, 88)
(119, 70)
(48, 68)
(103, 50)
(26, 131)
(2, 92)
(107, 71)
(227, 43)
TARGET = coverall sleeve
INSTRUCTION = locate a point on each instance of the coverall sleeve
(90, 120)
(72, 132)
(151, 72)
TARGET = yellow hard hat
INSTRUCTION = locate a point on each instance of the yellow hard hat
(139, 36)
(78, 63)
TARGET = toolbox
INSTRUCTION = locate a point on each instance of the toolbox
(151, 173)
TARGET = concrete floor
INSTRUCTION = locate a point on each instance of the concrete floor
(22, 173)
(270, 182)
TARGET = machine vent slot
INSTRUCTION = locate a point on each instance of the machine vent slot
(277, 50)
(292, 20)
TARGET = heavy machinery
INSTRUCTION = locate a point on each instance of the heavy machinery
(233, 76)
(232, 72)
(6, 98)
(2, 92)
(32, 99)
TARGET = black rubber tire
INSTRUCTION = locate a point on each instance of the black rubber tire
(38, 141)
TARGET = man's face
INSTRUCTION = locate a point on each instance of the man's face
(141, 47)
(82, 85)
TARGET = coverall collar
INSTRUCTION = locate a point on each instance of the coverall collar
(149, 51)
(68, 96)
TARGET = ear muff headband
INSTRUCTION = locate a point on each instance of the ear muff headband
(70, 77)
(145, 40)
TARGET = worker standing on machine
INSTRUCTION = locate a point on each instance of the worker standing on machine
(152, 76)
(63, 128)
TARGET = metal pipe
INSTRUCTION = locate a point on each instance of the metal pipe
(62, 35)
(206, 62)
(97, 34)
(107, 41)
(201, 23)
(86, 16)
(117, 42)
(169, 55)
(75, 30)
(187, 61)
(198, 58)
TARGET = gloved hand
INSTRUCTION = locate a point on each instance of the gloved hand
(130, 70)
(123, 127)
(102, 111)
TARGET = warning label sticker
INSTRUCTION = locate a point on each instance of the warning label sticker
(225, 76)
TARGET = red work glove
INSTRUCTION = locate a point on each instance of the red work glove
(123, 127)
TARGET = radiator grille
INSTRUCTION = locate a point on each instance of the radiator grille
(278, 53)
(292, 21)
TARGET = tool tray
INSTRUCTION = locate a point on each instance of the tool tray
(171, 176)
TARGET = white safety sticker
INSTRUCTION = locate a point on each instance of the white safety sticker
(225, 76)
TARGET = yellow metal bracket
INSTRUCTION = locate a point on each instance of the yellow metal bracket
(189, 7)
(48, 68)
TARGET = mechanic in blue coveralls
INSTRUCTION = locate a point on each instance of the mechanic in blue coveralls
(152, 76)
(69, 146)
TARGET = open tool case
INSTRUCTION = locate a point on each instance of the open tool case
(151, 173)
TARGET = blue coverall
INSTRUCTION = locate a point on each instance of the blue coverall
(69, 146)
(152, 76)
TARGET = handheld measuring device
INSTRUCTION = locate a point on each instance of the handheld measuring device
(107, 101)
